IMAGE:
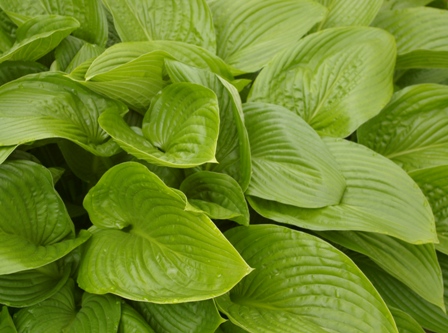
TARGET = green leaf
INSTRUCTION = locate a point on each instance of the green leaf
(132, 322)
(6, 323)
(146, 246)
(335, 79)
(5, 152)
(405, 323)
(193, 317)
(229, 327)
(411, 264)
(42, 231)
(416, 47)
(89, 13)
(66, 50)
(87, 52)
(412, 130)
(218, 195)
(71, 311)
(397, 4)
(434, 184)
(300, 284)
(418, 76)
(184, 21)
(290, 163)
(232, 151)
(180, 129)
(348, 13)
(380, 197)
(38, 36)
(249, 34)
(11, 70)
(49, 105)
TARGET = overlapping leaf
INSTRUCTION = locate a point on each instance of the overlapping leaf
(147, 247)
(11, 70)
(6, 323)
(335, 79)
(5, 152)
(300, 284)
(132, 322)
(405, 323)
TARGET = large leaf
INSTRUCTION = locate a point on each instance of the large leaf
(434, 184)
(300, 284)
(232, 151)
(35, 228)
(249, 34)
(405, 323)
(412, 130)
(6, 323)
(49, 105)
(89, 13)
(335, 79)
(132, 322)
(180, 128)
(146, 246)
(192, 317)
(414, 265)
(177, 20)
(416, 47)
(380, 197)
(38, 36)
(290, 163)
(11, 70)
(70, 311)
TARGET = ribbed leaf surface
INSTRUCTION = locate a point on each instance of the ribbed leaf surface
(132, 322)
(300, 284)
(335, 79)
(11, 70)
(405, 323)
(5, 152)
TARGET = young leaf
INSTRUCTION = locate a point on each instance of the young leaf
(300, 284)
(146, 246)
(180, 129)
(380, 197)
(132, 322)
(6, 323)
(335, 79)
(405, 323)
(42, 231)
(176, 20)
(49, 105)
(412, 130)
(249, 34)
(11, 70)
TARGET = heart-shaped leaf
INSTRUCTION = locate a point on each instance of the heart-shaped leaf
(146, 246)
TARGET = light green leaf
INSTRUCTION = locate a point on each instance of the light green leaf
(380, 197)
(335, 79)
(147, 247)
(218, 195)
(5, 152)
(70, 311)
(411, 264)
(184, 21)
(11, 70)
(349, 13)
(412, 130)
(193, 317)
(49, 105)
(6, 323)
(42, 231)
(180, 129)
(232, 151)
(416, 47)
(434, 184)
(405, 323)
(132, 322)
(249, 34)
(6, 40)
(290, 163)
(38, 36)
(300, 284)
(89, 13)
(86, 53)
(397, 4)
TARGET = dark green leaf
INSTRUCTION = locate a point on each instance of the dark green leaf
(6, 323)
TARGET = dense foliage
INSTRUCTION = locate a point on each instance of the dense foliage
(223, 166)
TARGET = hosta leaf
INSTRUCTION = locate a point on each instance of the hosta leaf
(218, 195)
(132, 322)
(66, 50)
(335, 79)
(38, 36)
(434, 184)
(6, 40)
(405, 323)
(380, 197)
(415, 46)
(87, 52)
(177, 20)
(412, 130)
(249, 34)
(6, 323)
(70, 311)
(417, 76)
(411, 264)
(397, 4)
(300, 284)
(290, 163)
(49, 105)
(11, 70)
(89, 13)
(229, 327)
(42, 231)
(348, 13)
(30, 287)
(180, 128)
(193, 317)
(147, 247)
(232, 151)
(5, 152)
